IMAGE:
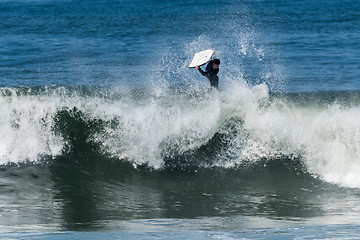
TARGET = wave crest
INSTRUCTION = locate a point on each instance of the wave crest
(174, 129)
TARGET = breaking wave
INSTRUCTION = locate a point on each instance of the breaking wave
(185, 129)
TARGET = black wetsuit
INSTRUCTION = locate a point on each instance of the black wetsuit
(211, 74)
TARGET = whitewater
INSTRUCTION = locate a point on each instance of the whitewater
(105, 133)
(150, 126)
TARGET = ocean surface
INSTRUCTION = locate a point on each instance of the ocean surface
(105, 133)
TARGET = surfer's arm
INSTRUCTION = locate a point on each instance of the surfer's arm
(201, 71)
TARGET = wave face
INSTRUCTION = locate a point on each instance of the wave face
(175, 129)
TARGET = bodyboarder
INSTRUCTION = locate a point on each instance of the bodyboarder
(211, 71)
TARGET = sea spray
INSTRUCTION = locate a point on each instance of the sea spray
(26, 126)
(325, 137)
(201, 128)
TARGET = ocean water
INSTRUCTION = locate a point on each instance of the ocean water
(105, 133)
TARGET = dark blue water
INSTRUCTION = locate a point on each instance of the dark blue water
(105, 133)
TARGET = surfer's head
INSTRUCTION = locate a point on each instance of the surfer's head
(216, 63)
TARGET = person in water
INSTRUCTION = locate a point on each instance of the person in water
(211, 71)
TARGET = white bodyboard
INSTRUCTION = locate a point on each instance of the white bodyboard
(201, 58)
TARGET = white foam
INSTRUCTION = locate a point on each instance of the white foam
(326, 138)
(26, 128)
(144, 131)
